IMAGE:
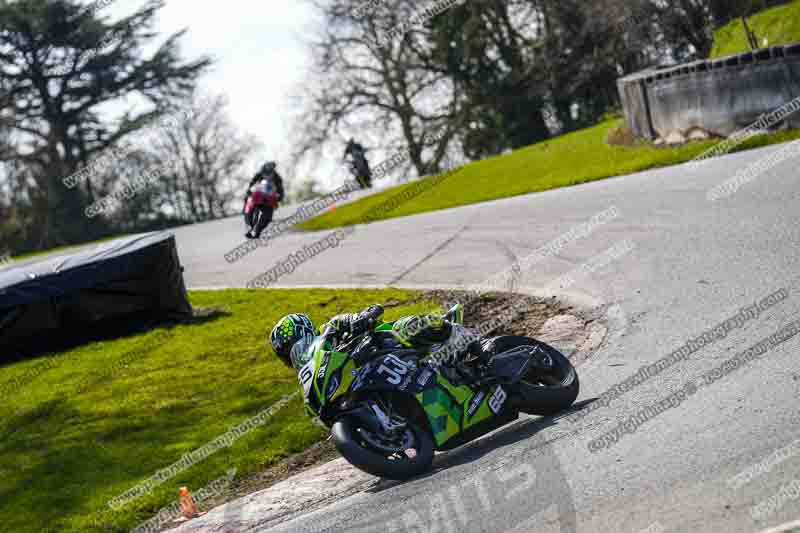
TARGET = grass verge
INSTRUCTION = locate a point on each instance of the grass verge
(86, 425)
(578, 157)
(778, 25)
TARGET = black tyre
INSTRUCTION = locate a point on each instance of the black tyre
(364, 174)
(364, 182)
(543, 392)
(261, 219)
(354, 443)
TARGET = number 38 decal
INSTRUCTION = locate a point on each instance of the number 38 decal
(394, 369)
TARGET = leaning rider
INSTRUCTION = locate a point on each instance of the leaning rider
(269, 172)
(294, 333)
(353, 148)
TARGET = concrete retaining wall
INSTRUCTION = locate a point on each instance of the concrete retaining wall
(713, 97)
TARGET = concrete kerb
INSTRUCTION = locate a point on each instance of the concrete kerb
(788, 527)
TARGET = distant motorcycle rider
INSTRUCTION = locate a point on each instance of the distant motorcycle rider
(269, 172)
(433, 334)
(362, 171)
(353, 148)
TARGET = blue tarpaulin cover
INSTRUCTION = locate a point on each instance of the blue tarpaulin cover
(72, 294)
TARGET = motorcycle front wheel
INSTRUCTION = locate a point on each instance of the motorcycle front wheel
(398, 457)
(261, 219)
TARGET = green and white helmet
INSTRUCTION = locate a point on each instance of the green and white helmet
(291, 334)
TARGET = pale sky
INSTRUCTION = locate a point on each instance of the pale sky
(260, 52)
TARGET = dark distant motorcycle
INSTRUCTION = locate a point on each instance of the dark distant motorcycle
(260, 206)
(359, 168)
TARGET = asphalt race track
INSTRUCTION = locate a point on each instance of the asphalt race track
(694, 264)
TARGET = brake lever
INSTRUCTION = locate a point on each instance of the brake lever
(345, 346)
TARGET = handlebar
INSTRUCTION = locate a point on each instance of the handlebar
(349, 343)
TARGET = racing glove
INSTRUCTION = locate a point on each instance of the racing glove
(366, 320)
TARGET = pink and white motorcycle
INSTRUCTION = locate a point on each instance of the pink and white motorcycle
(258, 210)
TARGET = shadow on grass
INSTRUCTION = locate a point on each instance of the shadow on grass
(67, 460)
(26, 419)
(72, 471)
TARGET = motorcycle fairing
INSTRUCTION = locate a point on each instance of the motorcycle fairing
(390, 373)
(261, 194)
(452, 409)
(511, 366)
(334, 375)
(325, 377)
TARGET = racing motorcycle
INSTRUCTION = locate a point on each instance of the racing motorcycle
(389, 407)
(261, 203)
(359, 168)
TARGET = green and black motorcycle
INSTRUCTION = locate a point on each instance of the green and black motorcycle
(389, 407)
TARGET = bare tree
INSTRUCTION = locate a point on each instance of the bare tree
(209, 175)
(368, 81)
(195, 165)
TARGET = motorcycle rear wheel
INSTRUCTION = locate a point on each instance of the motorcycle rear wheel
(364, 182)
(544, 392)
(353, 443)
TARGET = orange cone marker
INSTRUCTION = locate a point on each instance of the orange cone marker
(188, 507)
